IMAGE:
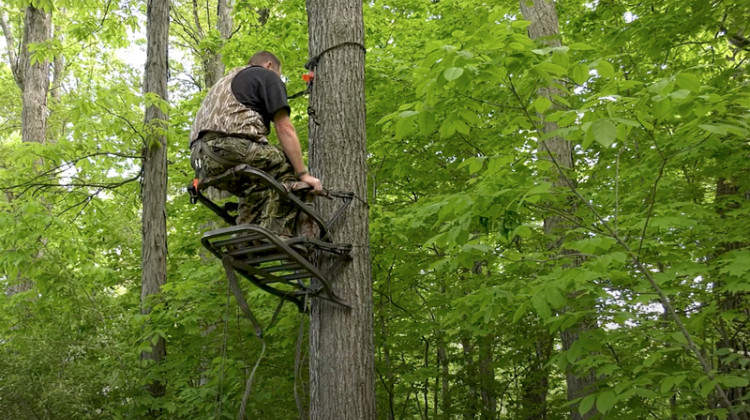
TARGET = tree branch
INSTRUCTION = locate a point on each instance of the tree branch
(11, 47)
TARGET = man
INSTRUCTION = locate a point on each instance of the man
(230, 128)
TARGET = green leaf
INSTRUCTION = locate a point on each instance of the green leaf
(606, 401)
(666, 384)
(523, 231)
(541, 104)
(551, 68)
(453, 73)
(407, 114)
(688, 81)
(579, 73)
(586, 404)
(732, 381)
(605, 69)
(715, 129)
(707, 388)
(580, 46)
(555, 297)
(604, 131)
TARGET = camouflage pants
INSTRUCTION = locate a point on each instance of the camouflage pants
(258, 204)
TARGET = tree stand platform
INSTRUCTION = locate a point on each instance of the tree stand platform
(275, 264)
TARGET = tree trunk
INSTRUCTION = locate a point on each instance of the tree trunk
(33, 80)
(35, 77)
(470, 378)
(733, 333)
(443, 362)
(535, 383)
(544, 25)
(487, 378)
(214, 66)
(154, 188)
(342, 370)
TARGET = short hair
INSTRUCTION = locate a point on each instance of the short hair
(261, 57)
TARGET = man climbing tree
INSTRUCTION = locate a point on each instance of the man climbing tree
(230, 128)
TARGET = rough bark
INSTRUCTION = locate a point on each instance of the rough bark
(154, 186)
(33, 80)
(733, 333)
(342, 379)
(544, 26)
(34, 77)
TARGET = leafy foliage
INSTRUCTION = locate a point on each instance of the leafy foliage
(653, 98)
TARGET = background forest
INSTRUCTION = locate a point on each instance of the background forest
(558, 224)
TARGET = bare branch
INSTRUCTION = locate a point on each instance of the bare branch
(11, 47)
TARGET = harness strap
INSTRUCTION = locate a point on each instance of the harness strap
(204, 148)
(234, 286)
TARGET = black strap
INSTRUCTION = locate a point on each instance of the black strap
(313, 63)
(234, 286)
(205, 149)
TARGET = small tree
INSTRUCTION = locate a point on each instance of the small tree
(154, 190)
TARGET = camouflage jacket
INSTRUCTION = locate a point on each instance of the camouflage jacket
(222, 113)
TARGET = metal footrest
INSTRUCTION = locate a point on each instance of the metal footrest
(276, 265)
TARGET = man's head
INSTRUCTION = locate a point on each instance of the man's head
(266, 60)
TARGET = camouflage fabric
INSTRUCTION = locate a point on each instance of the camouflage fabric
(221, 112)
(257, 204)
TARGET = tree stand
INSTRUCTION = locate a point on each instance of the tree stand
(277, 265)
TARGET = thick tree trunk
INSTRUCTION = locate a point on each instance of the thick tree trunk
(35, 77)
(154, 188)
(544, 25)
(733, 333)
(342, 371)
(33, 80)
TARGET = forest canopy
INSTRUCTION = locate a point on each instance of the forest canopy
(558, 211)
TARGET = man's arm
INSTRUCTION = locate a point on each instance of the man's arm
(290, 143)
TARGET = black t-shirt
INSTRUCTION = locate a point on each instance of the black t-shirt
(261, 90)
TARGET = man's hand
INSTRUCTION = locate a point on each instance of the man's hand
(313, 182)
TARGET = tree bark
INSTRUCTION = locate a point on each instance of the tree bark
(733, 333)
(544, 25)
(213, 65)
(535, 384)
(470, 375)
(33, 80)
(487, 384)
(445, 390)
(154, 184)
(35, 77)
(342, 372)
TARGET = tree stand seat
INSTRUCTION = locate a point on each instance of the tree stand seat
(277, 265)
